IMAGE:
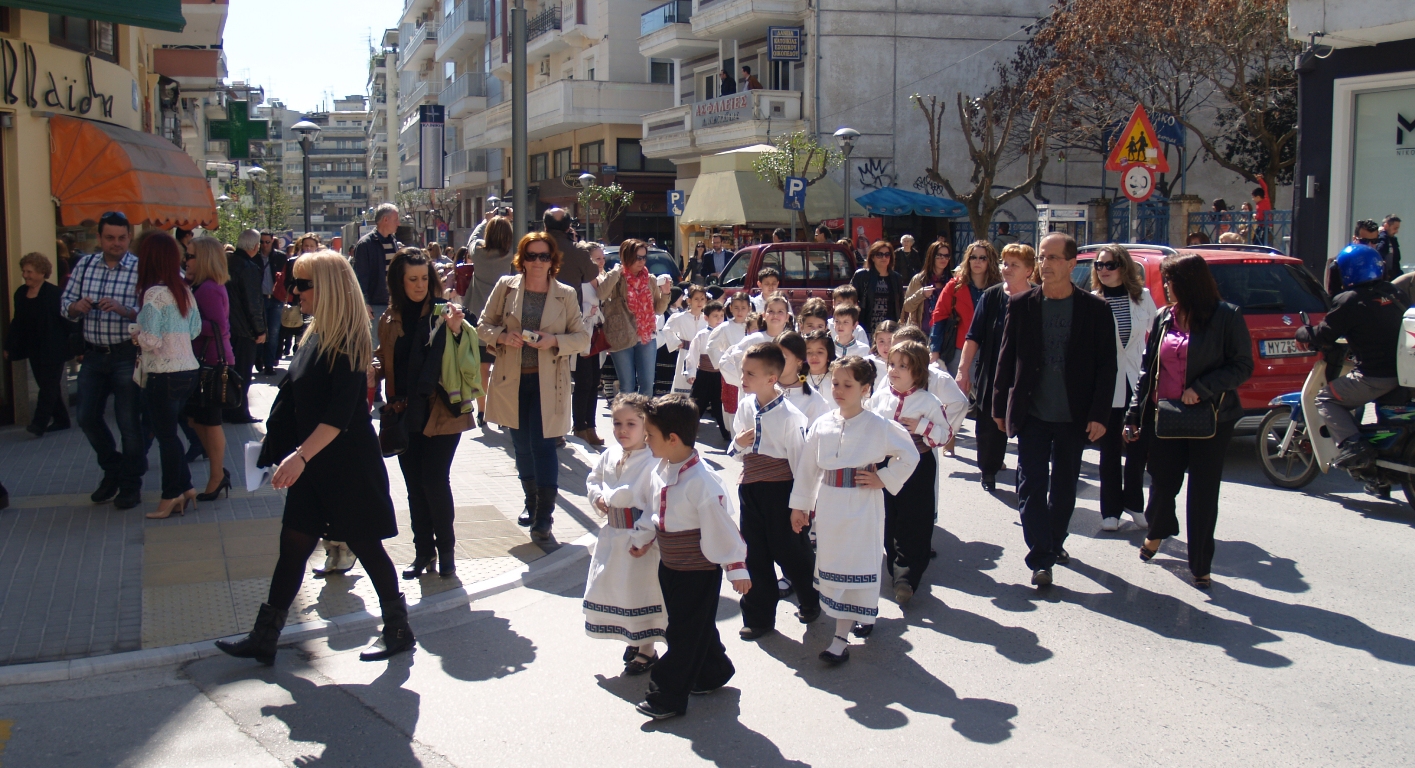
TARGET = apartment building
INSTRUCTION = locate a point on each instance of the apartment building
(383, 119)
(339, 179)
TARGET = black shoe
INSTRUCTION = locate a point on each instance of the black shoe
(784, 588)
(638, 664)
(223, 487)
(397, 636)
(128, 499)
(37, 431)
(806, 617)
(1354, 453)
(419, 564)
(989, 483)
(1063, 557)
(752, 633)
(261, 642)
(650, 709)
(1041, 578)
(106, 491)
(836, 659)
(481, 420)
(630, 652)
(446, 563)
(862, 630)
(528, 515)
(545, 512)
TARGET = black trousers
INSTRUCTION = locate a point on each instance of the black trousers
(707, 395)
(909, 523)
(695, 659)
(245, 351)
(992, 446)
(1122, 488)
(1203, 460)
(49, 407)
(1048, 467)
(427, 471)
(586, 394)
(766, 527)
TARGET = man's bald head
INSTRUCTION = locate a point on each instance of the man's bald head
(557, 219)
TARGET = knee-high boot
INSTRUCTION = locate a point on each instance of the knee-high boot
(545, 511)
(397, 636)
(260, 643)
(528, 515)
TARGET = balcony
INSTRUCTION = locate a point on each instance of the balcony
(543, 33)
(666, 32)
(418, 93)
(359, 150)
(419, 45)
(189, 65)
(543, 22)
(468, 168)
(464, 95)
(355, 173)
(567, 105)
(463, 30)
(668, 14)
(687, 132)
(745, 19)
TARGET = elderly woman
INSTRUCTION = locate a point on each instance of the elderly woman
(532, 323)
(631, 286)
(38, 334)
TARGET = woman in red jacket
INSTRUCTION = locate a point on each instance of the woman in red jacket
(977, 272)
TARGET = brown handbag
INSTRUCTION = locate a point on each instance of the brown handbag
(620, 329)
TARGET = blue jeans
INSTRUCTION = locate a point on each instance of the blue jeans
(270, 355)
(635, 368)
(104, 375)
(166, 396)
(535, 453)
(1048, 467)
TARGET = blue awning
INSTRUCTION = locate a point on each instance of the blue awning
(892, 201)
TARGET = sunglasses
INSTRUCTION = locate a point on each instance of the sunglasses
(1108, 265)
(300, 285)
(978, 258)
(538, 256)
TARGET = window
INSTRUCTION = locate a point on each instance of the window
(592, 155)
(788, 263)
(589, 68)
(562, 162)
(660, 71)
(539, 166)
(826, 268)
(631, 158)
(99, 38)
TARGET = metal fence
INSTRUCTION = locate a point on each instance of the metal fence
(1024, 231)
(1151, 222)
(1276, 231)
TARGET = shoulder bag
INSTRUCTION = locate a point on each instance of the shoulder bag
(281, 438)
(1176, 421)
(218, 384)
(620, 329)
(392, 428)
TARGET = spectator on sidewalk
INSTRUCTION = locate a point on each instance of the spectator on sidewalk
(630, 286)
(1389, 246)
(208, 274)
(102, 293)
(587, 366)
(491, 261)
(576, 268)
(39, 334)
(372, 254)
(247, 318)
(271, 263)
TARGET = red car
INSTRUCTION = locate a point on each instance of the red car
(1271, 288)
(808, 270)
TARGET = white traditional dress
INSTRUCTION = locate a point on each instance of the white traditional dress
(849, 521)
(623, 600)
(812, 404)
(679, 331)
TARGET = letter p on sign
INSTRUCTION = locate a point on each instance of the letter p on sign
(795, 194)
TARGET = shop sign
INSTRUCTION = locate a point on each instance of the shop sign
(783, 43)
(722, 110)
(55, 94)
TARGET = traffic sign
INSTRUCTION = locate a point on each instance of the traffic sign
(795, 194)
(1139, 183)
(1138, 145)
(677, 199)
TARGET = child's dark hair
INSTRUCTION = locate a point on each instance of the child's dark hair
(861, 369)
(884, 326)
(674, 295)
(824, 338)
(916, 359)
(674, 414)
(849, 310)
(753, 322)
(766, 272)
(694, 290)
(910, 332)
(791, 341)
(814, 307)
(713, 306)
(769, 354)
(632, 400)
(845, 292)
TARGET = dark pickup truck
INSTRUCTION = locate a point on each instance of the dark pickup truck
(808, 270)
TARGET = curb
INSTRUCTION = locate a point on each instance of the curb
(76, 669)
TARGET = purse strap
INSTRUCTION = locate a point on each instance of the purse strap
(220, 354)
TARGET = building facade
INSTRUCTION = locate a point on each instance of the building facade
(339, 177)
(383, 118)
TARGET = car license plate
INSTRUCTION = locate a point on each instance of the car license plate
(1283, 348)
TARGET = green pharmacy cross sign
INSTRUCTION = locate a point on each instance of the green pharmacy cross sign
(238, 130)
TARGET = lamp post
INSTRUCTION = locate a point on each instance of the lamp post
(308, 131)
(256, 173)
(845, 139)
(520, 177)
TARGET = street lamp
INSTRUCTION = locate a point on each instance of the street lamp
(845, 139)
(308, 132)
(256, 173)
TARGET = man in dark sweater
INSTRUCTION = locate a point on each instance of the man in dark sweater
(1055, 378)
(247, 317)
(575, 264)
(372, 254)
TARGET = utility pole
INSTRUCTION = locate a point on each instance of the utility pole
(519, 171)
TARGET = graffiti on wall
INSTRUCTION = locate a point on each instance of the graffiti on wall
(930, 187)
(877, 173)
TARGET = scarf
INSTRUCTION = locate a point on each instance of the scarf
(640, 299)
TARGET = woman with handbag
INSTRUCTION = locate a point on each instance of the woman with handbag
(39, 334)
(977, 272)
(1197, 355)
(632, 301)
(411, 357)
(207, 273)
(167, 368)
(532, 323)
(1116, 278)
(587, 367)
(491, 260)
(926, 286)
(320, 435)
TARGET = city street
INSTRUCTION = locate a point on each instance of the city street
(1298, 655)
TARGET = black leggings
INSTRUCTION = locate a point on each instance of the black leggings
(295, 551)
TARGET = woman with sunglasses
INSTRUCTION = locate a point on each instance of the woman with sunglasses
(977, 272)
(631, 285)
(881, 289)
(925, 287)
(1116, 278)
(532, 324)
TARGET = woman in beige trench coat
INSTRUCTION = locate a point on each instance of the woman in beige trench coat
(532, 323)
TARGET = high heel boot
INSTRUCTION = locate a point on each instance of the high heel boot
(545, 510)
(528, 515)
(419, 564)
(397, 636)
(260, 643)
(446, 562)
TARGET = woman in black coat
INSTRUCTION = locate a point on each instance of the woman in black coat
(39, 334)
(881, 289)
(1198, 352)
(320, 434)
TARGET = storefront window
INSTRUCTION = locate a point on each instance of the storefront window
(1383, 159)
(97, 38)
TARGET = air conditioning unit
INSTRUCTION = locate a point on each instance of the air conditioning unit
(545, 67)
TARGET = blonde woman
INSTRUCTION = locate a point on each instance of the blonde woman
(320, 435)
(208, 275)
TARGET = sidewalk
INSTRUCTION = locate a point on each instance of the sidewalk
(79, 579)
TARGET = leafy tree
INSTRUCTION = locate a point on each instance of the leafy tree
(605, 204)
(797, 154)
(272, 204)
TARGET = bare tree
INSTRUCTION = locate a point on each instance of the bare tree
(797, 154)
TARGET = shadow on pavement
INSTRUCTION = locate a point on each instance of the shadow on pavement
(478, 646)
(333, 715)
(1316, 623)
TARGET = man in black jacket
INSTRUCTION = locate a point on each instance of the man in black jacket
(247, 317)
(271, 262)
(372, 254)
(1389, 245)
(1055, 378)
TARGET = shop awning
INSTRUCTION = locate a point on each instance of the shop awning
(891, 201)
(152, 14)
(728, 192)
(96, 167)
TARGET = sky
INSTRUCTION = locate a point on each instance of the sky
(262, 46)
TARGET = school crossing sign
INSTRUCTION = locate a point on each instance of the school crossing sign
(1138, 156)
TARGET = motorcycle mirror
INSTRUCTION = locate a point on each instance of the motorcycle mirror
(1306, 320)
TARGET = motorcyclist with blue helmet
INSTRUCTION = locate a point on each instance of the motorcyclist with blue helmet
(1368, 313)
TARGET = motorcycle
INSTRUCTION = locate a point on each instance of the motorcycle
(1293, 443)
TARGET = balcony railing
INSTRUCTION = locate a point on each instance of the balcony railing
(424, 33)
(470, 84)
(422, 89)
(473, 10)
(352, 173)
(543, 22)
(359, 150)
(674, 12)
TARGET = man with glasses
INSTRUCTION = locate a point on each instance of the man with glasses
(102, 295)
(1389, 246)
(271, 261)
(1055, 379)
(1367, 233)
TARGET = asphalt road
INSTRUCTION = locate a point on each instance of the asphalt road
(1301, 654)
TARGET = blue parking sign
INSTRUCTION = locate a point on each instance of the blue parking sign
(795, 194)
(677, 198)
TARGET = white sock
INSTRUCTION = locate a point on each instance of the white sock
(647, 649)
(842, 631)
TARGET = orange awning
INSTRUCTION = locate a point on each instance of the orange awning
(96, 167)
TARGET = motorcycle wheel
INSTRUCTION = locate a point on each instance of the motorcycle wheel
(1407, 482)
(1299, 466)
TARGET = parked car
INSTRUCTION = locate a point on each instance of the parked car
(660, 262)
(1271, 288)
(808, 270)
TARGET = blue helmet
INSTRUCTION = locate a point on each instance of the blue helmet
(1359, 264)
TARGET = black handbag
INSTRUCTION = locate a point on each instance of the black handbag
(281, 438)
(218, 384)
(73, 338)
(393, 428)
(1176, 421)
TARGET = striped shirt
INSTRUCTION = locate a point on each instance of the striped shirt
(94, 280)
(1120, 307)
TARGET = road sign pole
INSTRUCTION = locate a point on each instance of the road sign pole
(1133, 234)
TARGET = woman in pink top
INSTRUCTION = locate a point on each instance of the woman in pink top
(207, 273)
